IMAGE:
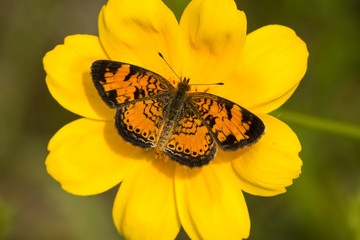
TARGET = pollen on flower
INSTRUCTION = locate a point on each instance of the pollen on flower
(172, 80)
(159, 155)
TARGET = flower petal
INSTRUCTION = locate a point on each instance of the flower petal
(89, 157)
(272, 65)
(68, 76)
(210, 202)
(214, 34)
(134, 31)
(271, 164)
(145, 204)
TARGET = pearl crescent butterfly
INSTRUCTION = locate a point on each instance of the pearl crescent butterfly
(185, 125)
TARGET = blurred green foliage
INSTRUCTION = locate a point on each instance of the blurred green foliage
(324, 203)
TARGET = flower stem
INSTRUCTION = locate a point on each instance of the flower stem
(321, 124)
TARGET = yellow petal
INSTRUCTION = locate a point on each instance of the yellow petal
(89, 157)
(210, 202)
(68, 76)
(134, 31)
(145, 204)
(271, 164)
(272, 65)
(213, 34)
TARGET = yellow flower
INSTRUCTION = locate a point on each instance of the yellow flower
(260, 70)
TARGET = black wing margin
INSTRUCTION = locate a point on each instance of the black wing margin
(232, 126)
(190, 142)
(120, 83)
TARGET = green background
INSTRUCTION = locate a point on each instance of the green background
(324, 203)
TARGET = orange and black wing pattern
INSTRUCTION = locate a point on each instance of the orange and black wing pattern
(190, 142)
(150, 114)
(140, 122)
(120, 83)
(232, 126)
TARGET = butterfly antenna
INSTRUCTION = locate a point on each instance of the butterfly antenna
(168, 65)
(219, 83)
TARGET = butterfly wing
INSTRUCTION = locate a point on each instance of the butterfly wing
(120, 83)
(190, 142)
(232, 126)
(140, 96)
(139, 122)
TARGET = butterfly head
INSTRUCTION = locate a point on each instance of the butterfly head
(184, 84)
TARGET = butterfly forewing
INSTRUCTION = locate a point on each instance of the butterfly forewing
(120, 83)
(190, 142)
(232, 126)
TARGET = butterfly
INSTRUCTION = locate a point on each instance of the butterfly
(186, 126)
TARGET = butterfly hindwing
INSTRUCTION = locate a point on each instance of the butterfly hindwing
(190, 142)
(139, 122)
(119, 83)
(232, 126)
